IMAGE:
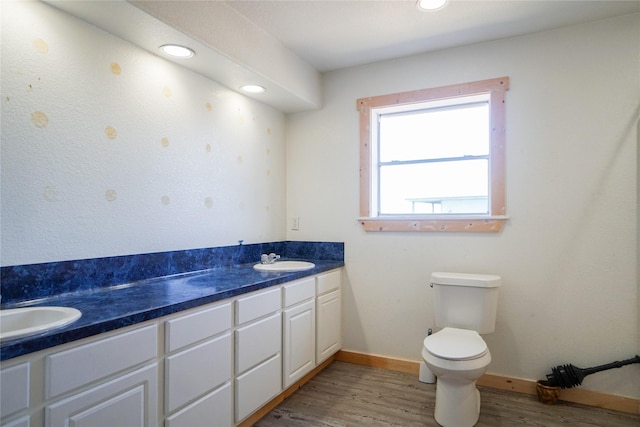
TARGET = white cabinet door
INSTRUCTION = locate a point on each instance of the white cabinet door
(299, 341)
(329, 325)
(130, 400)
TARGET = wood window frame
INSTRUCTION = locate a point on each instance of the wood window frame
(496, 217)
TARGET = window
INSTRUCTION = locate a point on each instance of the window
(433, 159)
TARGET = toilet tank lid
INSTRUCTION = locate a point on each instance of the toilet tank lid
(466, 279)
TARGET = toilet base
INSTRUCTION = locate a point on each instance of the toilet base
(457, 405)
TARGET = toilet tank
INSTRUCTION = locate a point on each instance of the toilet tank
(466, 301)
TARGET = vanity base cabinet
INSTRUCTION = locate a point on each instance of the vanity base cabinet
(213, 365)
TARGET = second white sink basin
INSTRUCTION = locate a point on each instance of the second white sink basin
(284, 266)
(21, 322)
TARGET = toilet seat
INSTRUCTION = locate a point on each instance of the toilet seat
(456, 344)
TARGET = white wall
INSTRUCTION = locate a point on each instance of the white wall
(191, 164)
(568, 253)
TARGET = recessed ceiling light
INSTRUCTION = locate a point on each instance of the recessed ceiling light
(431, 4)
(253, 89)
(177, 51)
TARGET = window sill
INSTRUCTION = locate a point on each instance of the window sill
(466, 224)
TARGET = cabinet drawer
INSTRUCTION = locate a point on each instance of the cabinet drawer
(298, 291)
(257, 342)
(130, 400)
(257, 305)
(329, 282)
(194, 327)
(84, 364)
(257, 386)
(14, 389)
(195, 371)
(215, 409)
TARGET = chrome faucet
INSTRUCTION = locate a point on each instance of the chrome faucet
(269, 259)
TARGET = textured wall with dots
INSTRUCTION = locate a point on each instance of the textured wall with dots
(108, 149)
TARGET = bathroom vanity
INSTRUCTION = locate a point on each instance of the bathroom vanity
(211, 365)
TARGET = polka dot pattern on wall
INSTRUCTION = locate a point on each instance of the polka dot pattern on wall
(166, 91)
(115, 68)
(110, 195)
(165, 200)
(207, 148)
(208, 106)
(208, 202)
(110, 132)
(41, 46)
(39, 119)
(164, 142)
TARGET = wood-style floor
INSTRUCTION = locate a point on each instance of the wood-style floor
(346, 394)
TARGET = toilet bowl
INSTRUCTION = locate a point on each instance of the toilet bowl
(458, 357)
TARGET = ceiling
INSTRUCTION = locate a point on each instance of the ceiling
(334, 34)
(286, 45)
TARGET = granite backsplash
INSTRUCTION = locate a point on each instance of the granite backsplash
(36, 281)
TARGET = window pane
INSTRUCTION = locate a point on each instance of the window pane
(435, 133)
(442, 187)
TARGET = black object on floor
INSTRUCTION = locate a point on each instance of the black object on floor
(567, 376)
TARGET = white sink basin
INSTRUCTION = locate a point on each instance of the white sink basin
(20, 322)
(284, 266)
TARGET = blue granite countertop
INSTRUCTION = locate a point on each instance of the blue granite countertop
(107, 309)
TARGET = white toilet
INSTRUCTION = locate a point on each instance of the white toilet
(465, 306)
